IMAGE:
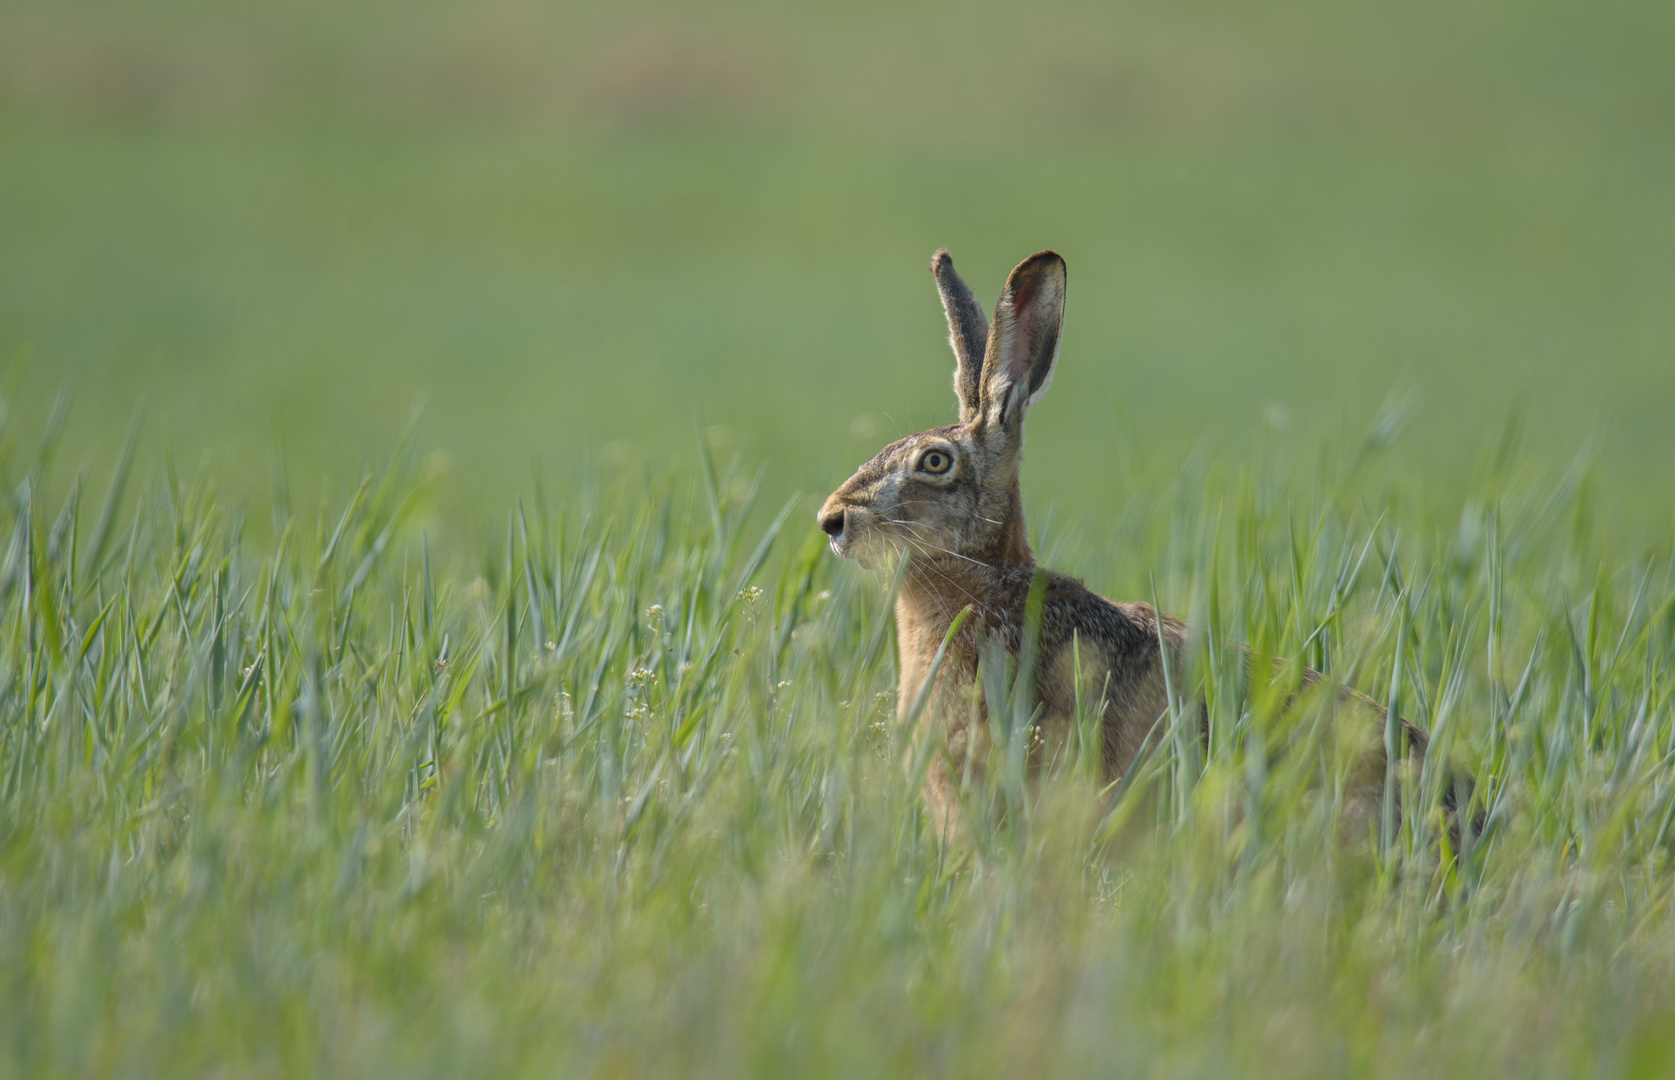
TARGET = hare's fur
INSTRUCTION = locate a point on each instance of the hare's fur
(948, 500)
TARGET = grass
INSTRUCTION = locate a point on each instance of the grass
(621, 792)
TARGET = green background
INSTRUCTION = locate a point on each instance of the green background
(568, 231)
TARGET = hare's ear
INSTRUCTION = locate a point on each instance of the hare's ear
(968, 333)
(1024, 340)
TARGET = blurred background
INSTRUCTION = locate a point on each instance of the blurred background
(567, 236)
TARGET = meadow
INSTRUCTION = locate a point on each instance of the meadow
(417, 656)
(628, 797)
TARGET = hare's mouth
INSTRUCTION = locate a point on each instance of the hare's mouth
(871, 551)
(855, 536)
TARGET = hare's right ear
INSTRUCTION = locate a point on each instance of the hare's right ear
(1024, 345)
(968, 333)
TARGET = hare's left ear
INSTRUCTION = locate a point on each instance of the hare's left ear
(968, 332)
(1023, 339)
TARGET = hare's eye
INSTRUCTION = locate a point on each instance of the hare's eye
(935, 462)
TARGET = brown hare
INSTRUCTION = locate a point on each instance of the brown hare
(947, 499)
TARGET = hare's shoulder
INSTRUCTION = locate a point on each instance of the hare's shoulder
(1119, 628)
(1106, 648)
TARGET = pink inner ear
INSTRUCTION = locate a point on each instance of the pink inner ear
(1009, 346)
(1024, 331)
(1024, 338)
(1020, 342)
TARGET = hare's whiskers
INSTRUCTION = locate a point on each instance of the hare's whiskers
(930, 568)
(932, 547)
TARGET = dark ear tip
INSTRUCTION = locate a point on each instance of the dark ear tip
(1046, 258)
(941, 261)
(1042, 264)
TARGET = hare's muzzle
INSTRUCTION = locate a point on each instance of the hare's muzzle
(831, 522)
(849, 519)
(834, 519)
(852, 532)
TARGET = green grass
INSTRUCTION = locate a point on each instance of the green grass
(621, 793)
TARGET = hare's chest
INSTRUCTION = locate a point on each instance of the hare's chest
(918, 641)
(915, 651)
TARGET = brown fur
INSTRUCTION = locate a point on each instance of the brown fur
(962, 529)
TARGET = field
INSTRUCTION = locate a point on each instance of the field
(417, 658)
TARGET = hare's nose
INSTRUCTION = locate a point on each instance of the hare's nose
(831, 522)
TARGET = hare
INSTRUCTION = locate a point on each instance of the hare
(948, 500)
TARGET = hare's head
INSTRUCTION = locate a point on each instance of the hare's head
(952, 492)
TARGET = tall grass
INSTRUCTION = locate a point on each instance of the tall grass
(623, 792)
